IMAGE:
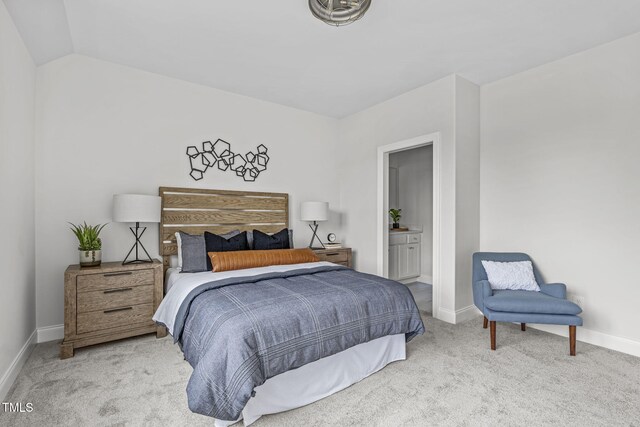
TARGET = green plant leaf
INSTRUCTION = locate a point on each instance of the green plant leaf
(88, 236)
(395, 214)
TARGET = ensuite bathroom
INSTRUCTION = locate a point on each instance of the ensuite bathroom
(411, 222)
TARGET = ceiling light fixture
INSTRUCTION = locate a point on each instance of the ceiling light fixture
(339, 12)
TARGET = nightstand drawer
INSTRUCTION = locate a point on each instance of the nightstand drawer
(114, 317)
(337, 256)
(114, 298)
(120, 279)
(340, 256)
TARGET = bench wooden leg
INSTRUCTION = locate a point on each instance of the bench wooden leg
(493, 334)
(485, 323)
(523, 327)
(572, 340)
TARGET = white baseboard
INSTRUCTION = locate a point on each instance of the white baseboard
(612, 342)
(446, 315)
(50, 333)
(425, 279)
(14, 369)
(457, 316)
(466, 313)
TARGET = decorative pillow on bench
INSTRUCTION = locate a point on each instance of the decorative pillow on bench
(516, 276)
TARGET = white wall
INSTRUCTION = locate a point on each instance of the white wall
(560, 178)
(415, 197)
(425, 110)
(467, 136)
(105, 129)
(17, 252)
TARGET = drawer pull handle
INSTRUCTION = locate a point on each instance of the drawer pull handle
(114, 310)
(122, 273)
(113, 291)
(333, 254)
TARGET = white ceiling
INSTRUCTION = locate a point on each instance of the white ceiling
(276, 50)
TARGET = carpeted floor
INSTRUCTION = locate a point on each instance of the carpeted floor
(423, 295)
(449, 378)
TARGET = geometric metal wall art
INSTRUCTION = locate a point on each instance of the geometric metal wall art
(219, 153)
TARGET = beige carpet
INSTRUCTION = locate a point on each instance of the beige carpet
(450, 378)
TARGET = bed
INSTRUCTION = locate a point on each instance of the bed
(268, 339)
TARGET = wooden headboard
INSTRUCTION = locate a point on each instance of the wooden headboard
(195, 211)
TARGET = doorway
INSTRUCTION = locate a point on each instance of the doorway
(410, 257)
(411, 254)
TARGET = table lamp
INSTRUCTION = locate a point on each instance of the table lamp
(136, 208)
(314, 212)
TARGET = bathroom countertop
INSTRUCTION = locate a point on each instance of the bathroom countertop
(393, 233)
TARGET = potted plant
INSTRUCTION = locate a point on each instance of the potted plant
(395, 217)
(89, 243)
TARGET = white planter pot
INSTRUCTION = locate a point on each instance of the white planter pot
(90, 258)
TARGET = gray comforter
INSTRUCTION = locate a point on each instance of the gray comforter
(238, 332)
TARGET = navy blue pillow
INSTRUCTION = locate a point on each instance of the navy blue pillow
(279, 240)
(216, 243)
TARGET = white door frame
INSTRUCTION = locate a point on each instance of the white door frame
(383, 207)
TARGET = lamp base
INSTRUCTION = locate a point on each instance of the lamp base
(137, 261)
(138, 244)
(314, 228)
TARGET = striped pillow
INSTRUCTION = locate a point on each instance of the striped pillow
(239, 260)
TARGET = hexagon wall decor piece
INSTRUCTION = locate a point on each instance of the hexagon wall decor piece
(248, 167)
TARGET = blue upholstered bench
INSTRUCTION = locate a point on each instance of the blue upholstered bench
(549, 306)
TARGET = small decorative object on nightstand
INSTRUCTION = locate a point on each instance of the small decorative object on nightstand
(340, 256)
(109, 303)
(89, 243)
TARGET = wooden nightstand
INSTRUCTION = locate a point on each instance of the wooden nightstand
(340, 256)
(110, 302)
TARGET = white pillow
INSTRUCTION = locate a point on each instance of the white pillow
(179, 243)
(511, 275)
(173, 262)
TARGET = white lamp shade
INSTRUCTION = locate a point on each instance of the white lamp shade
(136, 208)
(314, 211)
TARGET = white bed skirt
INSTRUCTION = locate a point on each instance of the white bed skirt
(321, 378)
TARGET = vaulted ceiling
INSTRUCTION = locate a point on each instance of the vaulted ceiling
(277, 51)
